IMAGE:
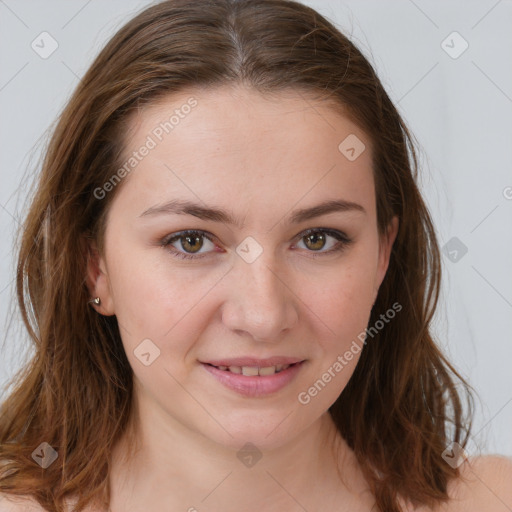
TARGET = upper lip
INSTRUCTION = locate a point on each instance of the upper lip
(254, 361)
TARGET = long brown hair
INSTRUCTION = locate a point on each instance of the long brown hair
(402, 405)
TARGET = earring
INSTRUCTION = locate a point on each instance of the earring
(96, 301)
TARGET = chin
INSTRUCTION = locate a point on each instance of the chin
(266, 431)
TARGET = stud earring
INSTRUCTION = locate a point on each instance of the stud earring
(96, 301)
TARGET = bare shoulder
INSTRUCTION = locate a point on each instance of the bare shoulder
(10, 503)
(485, 484)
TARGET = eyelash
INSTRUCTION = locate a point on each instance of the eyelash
(344, 242)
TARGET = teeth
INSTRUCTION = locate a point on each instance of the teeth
(251, 371)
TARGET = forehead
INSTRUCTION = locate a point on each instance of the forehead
(236, 146)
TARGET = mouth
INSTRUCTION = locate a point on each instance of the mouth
(255, 380)
(253, 371)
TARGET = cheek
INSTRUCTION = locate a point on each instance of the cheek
(156, 298)
(344, 301)
(342, 311)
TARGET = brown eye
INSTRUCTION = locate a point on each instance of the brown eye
(315, 241)
(191, 243)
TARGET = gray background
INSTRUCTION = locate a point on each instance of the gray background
(458, 106)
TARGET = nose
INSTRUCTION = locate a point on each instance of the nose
(260, 301)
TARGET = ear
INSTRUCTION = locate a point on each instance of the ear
(385, 246)
(97, 280)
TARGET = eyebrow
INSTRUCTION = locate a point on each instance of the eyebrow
(185, 207)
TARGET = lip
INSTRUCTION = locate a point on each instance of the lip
(253, 361)
(257, 386)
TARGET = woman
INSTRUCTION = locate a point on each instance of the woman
(229, 275)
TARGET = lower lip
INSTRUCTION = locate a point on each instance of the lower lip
(254, 386)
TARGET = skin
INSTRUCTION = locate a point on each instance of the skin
(260, 158)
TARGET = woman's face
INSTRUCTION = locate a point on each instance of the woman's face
(252, 290)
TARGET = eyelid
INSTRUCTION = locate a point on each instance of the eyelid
(169, 239)
(330, 231)
(343, 241)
